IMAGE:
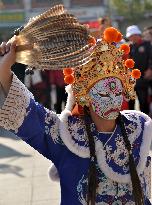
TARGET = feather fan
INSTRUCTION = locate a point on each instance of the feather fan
(53, 40)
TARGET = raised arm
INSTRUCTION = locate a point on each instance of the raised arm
(20, 114)
(7, 59)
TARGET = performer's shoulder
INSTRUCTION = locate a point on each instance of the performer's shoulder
(133, 115)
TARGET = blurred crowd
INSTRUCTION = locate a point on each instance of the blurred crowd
(141, 52)
(48, 86)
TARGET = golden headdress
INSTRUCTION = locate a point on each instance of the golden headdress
(107, 60)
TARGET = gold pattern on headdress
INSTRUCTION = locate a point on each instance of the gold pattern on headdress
(107, 61)
(53, 40)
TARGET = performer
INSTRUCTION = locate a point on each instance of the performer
(101, 154)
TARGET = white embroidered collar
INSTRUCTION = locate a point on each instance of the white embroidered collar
(100, 152)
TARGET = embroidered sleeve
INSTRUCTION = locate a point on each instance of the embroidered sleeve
(36, 125)
(13, 110)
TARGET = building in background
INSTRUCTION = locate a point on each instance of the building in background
(89, 12)
(14, 13)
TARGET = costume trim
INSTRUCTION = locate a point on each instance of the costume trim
(147, 138)
(67, 139)
(70, 99)
(13, 110)
(108, 171)
(101, 158)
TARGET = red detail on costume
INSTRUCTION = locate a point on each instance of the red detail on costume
(78, 110)
(125, 105)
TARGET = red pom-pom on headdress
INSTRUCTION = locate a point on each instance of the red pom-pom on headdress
(119, 37)
(136, 73)
(69, 79)
(110, 34)
(125, 48)
(67, 71)
(129, 63)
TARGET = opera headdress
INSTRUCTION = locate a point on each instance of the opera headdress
(107, 60)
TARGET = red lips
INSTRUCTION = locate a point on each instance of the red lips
(111, 110)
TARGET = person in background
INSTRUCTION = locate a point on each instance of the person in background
(140, 52)
(147, 36)
(104, 23)
(57, 79)
(39, 84)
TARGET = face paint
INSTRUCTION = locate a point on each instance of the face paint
(106, 97)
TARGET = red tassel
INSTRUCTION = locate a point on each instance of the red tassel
(78, 110)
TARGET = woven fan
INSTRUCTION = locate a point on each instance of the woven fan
(53, 40)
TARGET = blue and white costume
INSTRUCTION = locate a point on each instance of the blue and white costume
(63, 140)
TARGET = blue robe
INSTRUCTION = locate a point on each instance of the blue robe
(63, 140)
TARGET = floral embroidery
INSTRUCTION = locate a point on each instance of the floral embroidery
(108, 191)
(68, 128)
(145, 178)
(134, 128)
(77, 131)
(80, 190)
(52, 126)
(120, 154)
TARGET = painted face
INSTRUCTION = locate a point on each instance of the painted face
(106, 97)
